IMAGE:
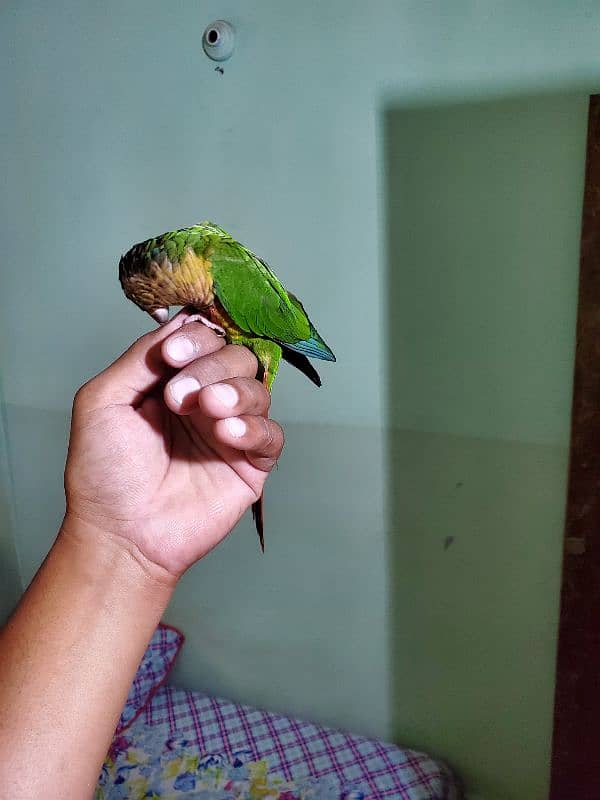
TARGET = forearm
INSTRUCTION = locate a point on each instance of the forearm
(67, 658)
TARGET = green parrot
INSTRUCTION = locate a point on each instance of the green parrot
(235, 292)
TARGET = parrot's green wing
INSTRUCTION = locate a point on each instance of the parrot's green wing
(257, 302)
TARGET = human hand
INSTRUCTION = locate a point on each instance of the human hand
(171, 444)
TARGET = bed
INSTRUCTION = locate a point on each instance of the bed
(172, 743)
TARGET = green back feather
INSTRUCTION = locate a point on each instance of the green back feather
(249, 291)
(246, 287)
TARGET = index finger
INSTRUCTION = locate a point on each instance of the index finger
(189, 342)
(140, 369)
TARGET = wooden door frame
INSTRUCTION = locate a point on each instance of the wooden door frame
(576, 738)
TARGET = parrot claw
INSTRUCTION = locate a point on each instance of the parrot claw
(161, 315)
(212, 325)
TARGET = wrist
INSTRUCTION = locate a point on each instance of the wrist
(108, 554)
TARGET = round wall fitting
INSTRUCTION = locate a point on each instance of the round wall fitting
(218, 40)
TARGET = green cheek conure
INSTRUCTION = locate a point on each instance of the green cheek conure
(235, 292)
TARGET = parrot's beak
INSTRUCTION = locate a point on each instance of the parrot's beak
(161, 315)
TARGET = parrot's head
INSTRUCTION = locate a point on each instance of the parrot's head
(139, 286)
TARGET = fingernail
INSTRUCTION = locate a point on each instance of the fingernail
(236, 426)
(181, 348)
(182, 388)
(226, 394)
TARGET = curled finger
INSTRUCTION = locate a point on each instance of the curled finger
(234, 397)
(232, 361)
(190, 341)
(260, 438)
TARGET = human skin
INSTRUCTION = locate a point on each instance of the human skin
(169, 446)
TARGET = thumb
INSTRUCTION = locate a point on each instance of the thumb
(135, 373)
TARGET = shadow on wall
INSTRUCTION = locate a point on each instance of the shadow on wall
(483, 208)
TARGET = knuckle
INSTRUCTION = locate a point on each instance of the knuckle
(207, 370)
(216, 367)
(258, 394)
(271, 438)
(83, 395)
(246, 357)
(202, 336)
(268, 434)
(280, 436)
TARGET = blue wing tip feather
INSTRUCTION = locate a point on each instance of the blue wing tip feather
(314, 347)
(320, 349)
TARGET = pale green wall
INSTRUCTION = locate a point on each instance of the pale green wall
(115, 127)
(483, 216)
(10, 577)
(475, 544)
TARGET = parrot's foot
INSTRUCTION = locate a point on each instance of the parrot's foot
(210, 324)
(161, 315)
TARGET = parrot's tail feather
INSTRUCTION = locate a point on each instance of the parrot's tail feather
(303, 364)
(257, 516)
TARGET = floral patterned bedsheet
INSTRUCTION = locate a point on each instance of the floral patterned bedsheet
(188, 745)
(145, 769)
(175, 744)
